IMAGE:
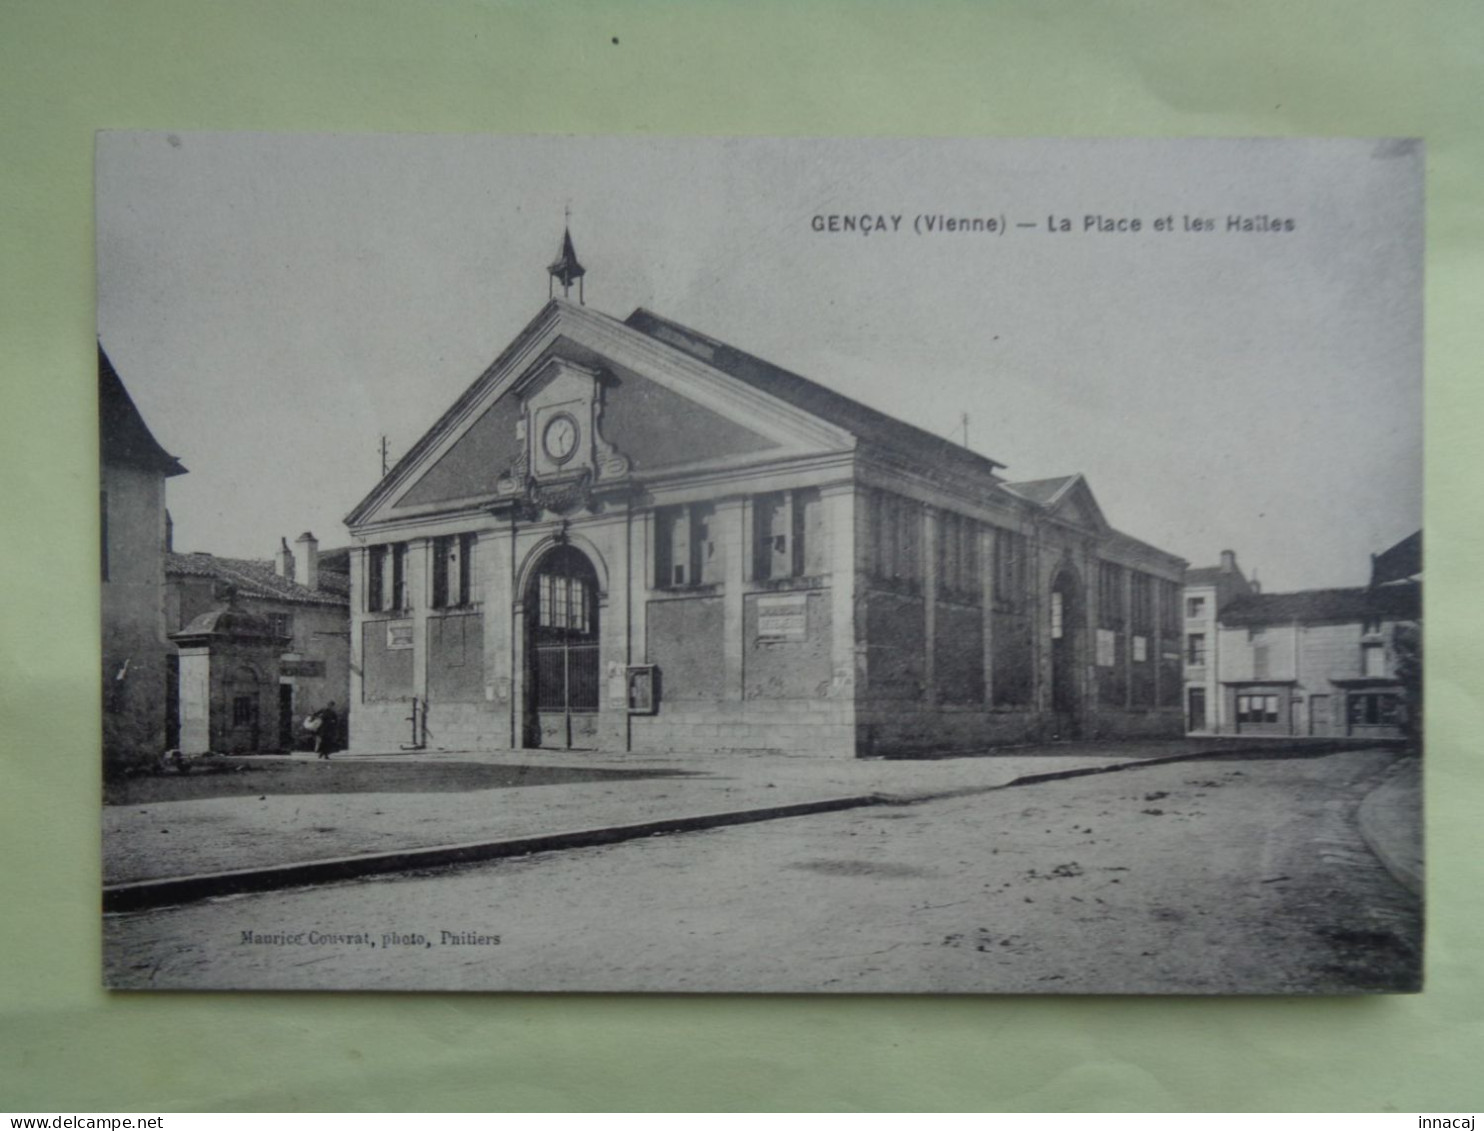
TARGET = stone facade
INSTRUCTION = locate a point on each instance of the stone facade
(302, 596)
(132, 473)
(1207, 592)
(629, 536)
(1322, 663)
(228, 690)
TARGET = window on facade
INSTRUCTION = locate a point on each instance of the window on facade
(566, 604)
(1195, 607)
(453, 564)
(1167, 593)
(788, 535)
(1373, 661)
(242, 711)
(1141, 596)
(773, 536)
(1257, 708)
(283, 624)
(1256, 632)
(688, 550)
(1111, 611)
(896, 539)
(1260, 662)
(1141, 649)
(958, 558)
(1195, 648)
(1375, 709)
(376, 579)
(1010, 568)
(1058, 611)
(1370, 628)
(386, 578)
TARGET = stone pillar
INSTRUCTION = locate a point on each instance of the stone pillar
(1088, 703)
(930, 535)
(491, 585)
(610, 540)
(847, 646)
(195, 700)
(987, 595)
(1128, 638)
(1040, 633)
(731, 520)
(1155, 649)
(357, 652)
(641, 577)
(419, 596)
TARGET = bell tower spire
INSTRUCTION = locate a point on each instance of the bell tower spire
(565, 266)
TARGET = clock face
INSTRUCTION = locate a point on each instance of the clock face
(560, 438)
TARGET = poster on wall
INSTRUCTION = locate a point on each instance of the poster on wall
(750, 565)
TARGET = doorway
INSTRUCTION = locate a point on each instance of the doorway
(1196, 720)
(561, 602)
(1066, 621)
(286, 716)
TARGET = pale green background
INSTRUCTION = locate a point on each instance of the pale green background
(69, 68)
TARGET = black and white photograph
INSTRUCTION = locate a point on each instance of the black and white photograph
(742, 565)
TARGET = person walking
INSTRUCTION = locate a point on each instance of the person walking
(327, 732)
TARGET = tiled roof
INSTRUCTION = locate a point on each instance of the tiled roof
(123, 436)
(866, 423)
(1395, 602)
(258, 579)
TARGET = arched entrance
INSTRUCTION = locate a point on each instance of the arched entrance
(1067, 620)
(561, 602)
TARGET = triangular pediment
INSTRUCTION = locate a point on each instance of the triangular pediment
(1068, 499)
(1077, 505)
(578, 393)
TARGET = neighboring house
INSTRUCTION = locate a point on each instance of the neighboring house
(132, 473)
(1322, 662)
(283, 653)
(1207, 591)
(628, 535)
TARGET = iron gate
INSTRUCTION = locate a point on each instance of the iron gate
(563, 613)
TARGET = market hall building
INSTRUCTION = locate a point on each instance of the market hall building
(626, 535)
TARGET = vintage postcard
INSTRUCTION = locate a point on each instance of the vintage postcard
(746, 565)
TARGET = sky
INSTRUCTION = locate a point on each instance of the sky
(276, 304)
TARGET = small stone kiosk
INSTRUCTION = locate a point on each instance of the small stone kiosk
(229, 662)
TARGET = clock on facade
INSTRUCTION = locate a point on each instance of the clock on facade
(560, 438)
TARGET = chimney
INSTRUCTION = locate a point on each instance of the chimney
(1228, 561)
(310, 551)
(283, 561)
